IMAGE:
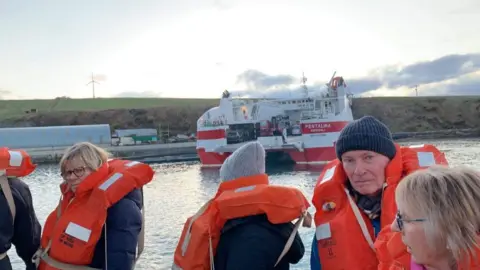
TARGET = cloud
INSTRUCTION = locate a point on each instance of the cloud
(139, 94)
(456, 74)
(255, 79)
(6, 94)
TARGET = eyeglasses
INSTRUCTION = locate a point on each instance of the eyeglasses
(78, 172)
(400, 220)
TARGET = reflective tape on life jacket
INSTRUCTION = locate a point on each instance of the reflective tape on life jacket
(7, 192)
(69, 238)
(242, 197)
(345, 235)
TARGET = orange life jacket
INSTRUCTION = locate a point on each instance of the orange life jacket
(13, 163)
(345, 235)
(246, 196)
(72, 231)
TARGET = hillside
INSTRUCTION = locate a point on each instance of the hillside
(180, 115)
(421, 113)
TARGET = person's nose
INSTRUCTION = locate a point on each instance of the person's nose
(70, 176)
(359, 169)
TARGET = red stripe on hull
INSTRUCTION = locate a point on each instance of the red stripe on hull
(211, 134)
(313, 155)
(323, 127)
(211, 158)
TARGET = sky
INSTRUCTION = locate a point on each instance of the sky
(198, 48)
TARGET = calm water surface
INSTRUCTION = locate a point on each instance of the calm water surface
(178, 190)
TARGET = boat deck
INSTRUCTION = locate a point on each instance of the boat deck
(269, 143)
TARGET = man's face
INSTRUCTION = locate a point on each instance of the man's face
(366, 170)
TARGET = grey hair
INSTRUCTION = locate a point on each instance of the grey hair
(449, 198)
(92, 156)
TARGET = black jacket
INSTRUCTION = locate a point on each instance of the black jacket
(26, 230)
(124, 222)
(253, 243)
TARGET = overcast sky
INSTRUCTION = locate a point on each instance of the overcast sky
(198, 48)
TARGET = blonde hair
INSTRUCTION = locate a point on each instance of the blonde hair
(92, 156)
(449, 200)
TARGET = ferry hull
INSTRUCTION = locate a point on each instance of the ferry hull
(309, 156)
(317, 155)
(211, 159)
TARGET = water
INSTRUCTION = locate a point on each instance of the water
(178, 190)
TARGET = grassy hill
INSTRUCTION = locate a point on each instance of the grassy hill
(18, 108)
(421, 113)
(180, 115)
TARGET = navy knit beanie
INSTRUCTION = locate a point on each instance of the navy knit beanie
(366, 133)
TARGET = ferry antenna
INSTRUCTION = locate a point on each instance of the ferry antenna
(304, 85)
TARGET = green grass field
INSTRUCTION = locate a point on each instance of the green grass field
(17, 108)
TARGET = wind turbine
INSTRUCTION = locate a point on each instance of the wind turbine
(93, 82)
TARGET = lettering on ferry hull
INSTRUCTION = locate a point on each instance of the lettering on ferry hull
(325, 127)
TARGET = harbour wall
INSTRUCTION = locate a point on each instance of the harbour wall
(175, 152)
(151, 153)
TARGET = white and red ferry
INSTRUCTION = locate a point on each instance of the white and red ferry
(303, 129)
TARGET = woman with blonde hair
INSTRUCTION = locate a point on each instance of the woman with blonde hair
(439, 218)
(98, 222)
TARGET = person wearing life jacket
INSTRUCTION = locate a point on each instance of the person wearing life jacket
(18, 222)
(247, 225)
(354, 199)
(99, 221)
(439, 218)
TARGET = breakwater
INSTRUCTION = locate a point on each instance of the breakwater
(438, 134)
(151, 153)
(173, 152)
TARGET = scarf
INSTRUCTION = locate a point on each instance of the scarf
(371, 206)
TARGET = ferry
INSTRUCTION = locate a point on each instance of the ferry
(300, 129)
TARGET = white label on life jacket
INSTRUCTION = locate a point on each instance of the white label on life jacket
(131, 164)
(425, 159)
(417, 146)
(247, 188)
(110, 181)
(323, 231)
(78, 231)
(328, 175)
(15, 158)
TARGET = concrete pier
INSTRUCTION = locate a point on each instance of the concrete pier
(173, 152)
(149, 153)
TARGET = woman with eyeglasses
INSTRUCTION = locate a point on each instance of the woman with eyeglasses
(439, 218)
(98, 222)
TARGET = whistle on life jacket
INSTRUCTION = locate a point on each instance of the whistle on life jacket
(328, 206)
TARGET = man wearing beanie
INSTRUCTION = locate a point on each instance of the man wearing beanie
(251, 243)
(355, 199)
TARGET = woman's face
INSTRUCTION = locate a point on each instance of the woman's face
(411, 226)
(74, 172)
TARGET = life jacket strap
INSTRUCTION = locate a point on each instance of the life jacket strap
(306, 220)
(42, 255)
(7, 191)
(361, 221)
